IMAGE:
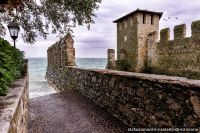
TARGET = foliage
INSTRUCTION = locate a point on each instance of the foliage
(40, 17)
(122, 65)
(11, 65)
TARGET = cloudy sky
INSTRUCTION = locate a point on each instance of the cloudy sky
(102, 35)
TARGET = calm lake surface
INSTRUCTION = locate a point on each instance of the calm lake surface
(37, 69)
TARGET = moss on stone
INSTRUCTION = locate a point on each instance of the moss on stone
(122, 65)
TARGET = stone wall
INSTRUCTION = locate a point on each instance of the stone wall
(179, 57)
(60, 55)
(127, 39)
(14, 107)
(143, 31)
(139, 100)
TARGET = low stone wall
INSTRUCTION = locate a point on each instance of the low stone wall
(14, 107)
(139, 100)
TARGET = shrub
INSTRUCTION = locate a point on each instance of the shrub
(11, 65)
(122, 65)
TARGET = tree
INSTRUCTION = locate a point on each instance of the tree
(41, 17)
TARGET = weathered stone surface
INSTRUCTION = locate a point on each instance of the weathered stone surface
(132, 34)
(111, 59)
(178, 57)
(142, 52)
(69, 112)
(196, 104)
(136, 99)
(61, 54)
(14, 108)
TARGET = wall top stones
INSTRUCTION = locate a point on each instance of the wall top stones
(136, 99)
(62, 53)
(111, 51)
(67, 40)
(195, 27)
(178, 57)
(180, 31)
(165, 34)
(149, 77)
(140, 12)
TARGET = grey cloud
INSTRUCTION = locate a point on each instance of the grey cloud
(95, 42)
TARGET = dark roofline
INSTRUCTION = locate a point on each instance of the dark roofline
(139, 11)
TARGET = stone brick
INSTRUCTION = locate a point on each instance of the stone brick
(120, 100)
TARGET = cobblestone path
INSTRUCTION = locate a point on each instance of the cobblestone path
(69, 112)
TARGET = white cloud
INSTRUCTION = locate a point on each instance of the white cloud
(104, 31)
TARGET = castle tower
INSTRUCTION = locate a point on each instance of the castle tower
(132, 33)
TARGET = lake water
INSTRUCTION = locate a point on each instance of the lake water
(37, 69)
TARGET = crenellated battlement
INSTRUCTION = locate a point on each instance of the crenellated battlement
(180, 56)
(195, 30)
(180, 32)
(140, 50)
(165, 35)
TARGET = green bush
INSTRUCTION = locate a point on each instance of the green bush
(122, 65)
(11, 65)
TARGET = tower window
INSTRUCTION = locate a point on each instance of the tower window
(125, 24)
(120, 27)
(152, 19)
(144, 18)
(131, 21)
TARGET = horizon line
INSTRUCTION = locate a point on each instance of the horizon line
(75, 58)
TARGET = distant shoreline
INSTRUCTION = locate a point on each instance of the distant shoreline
(76, 58)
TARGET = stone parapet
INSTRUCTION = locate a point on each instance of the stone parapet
(14, 107)
(142, 100)
(111, 59)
